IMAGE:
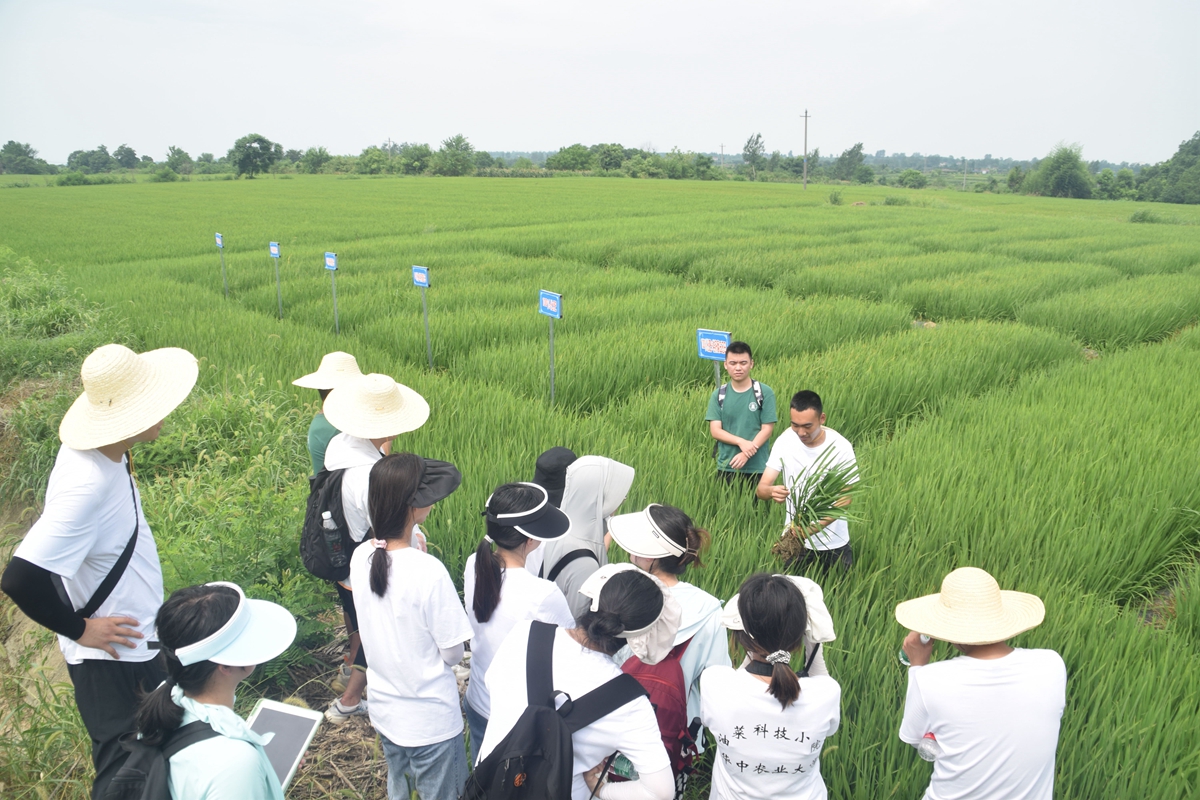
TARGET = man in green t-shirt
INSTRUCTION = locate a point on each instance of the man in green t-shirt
(741, 417)
(335, 368)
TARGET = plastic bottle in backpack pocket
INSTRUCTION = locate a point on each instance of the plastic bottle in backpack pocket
(333, 539)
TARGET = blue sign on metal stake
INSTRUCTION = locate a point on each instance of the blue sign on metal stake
(220, 241)
(711, 345)
(331, 261)
(550, 304)
(274, 246)
(421, 277)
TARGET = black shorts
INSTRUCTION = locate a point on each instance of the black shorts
(346, 597)
(825, 560)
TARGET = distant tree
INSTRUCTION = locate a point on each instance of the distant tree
(705, 169)
(313, 160)
(146, 161)
(775, 162)
(1061, 174)
(912, 179)
(575, 158)
(752, 154)
(178, 160)
(293, 156)
(126, 157)
(1176, 180)
(484, 160)
(847, 164)
(91, 161)
(1125, 182)
(864, 174)
(415, 158)
(455, 157)
(1016, 177)
(253, 154)
(372, 161)
(21, 159)
(609, 156)
(523, 163)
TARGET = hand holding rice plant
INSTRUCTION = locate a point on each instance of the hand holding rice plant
(816, 498)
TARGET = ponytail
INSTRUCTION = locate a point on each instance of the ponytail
(678, 526)
(774, 618)
(189, 615)
(488, 578)
(391, 490)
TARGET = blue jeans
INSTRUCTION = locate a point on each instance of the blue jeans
(437, 771)
(477, 723)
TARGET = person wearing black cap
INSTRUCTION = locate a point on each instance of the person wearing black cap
(499, 592)
(550, 472)
(413, 628)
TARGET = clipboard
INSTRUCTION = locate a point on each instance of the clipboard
(294, 728)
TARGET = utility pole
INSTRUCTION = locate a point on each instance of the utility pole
(722, 156)
(806, 149)
(964, 174)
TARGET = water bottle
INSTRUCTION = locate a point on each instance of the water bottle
(333, 539)
(903, 656)
(928, 748)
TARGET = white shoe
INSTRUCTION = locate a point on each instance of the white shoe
(337, 713)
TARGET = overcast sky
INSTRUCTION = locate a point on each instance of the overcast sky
(954, 77)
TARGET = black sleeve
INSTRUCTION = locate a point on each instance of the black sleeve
(30, 587)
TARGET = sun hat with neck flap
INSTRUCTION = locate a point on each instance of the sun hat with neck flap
(335, 368)
(375, 407)
(126, 393)
(971, 609)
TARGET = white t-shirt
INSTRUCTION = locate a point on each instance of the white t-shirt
(414, 695)
(522, 597)
(764, 750)
(632, 728)
(795, 460)
(356, 456)
(87, 521)
(996, 721)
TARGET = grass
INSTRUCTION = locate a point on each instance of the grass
(987, 439)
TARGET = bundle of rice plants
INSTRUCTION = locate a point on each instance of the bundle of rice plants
(817, 498)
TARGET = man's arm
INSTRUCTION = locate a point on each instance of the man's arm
(721, 435)
(32, 588)
(767, 491)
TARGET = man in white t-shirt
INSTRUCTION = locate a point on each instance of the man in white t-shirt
(797, 451)
(988, 719)
(370, 411)
(88, 569)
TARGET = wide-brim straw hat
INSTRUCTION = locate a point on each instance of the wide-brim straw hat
(375, 407)
(335, 368)
(971, 609)
(125, 393)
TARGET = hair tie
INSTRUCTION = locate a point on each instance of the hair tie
(379, 544)
(488, 539)
(779, 657)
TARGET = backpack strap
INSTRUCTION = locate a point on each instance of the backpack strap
(539, 664)
(721, 395)
(808, 664)
(114, 575)
(603, 700)
(758, 396)
(574, 555)
(186, 736)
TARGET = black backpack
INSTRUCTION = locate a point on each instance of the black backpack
(534, 761)
(326, 551)
(146, 773)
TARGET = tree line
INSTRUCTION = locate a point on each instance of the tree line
(1063, 173)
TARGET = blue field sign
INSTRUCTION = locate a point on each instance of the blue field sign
(421, 277)
(331, 261)
(711, 345)
(274, 246)
(550, 304)
(220, 241)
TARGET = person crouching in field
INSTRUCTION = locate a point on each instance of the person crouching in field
(371, 411)
(741, 417)
(212, 638)
(88, 569)
(770, 723)
(413, 629)
(499, 592)
(335, 368)
(796, 453)
(989, 718)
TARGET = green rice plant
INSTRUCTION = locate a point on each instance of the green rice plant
(1120, 314)
(1186, 599)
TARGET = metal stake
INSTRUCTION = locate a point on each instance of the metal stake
(717, 372)
(428, 342)
(333, 280)
(278, 290)
(552, 361)
(223, 279)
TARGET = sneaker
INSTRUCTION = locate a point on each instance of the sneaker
(338, 684)
(338, 713)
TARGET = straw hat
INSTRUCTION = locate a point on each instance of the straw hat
(971, 609)
(125, 393)
(375, 407)
(335, 368)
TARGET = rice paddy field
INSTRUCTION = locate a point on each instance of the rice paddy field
(1018, 375)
